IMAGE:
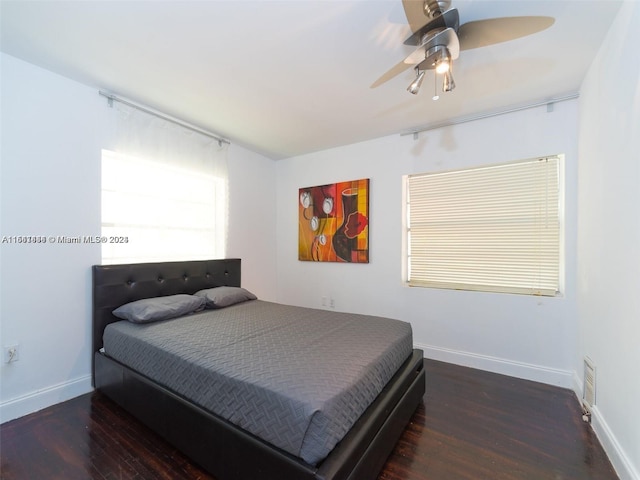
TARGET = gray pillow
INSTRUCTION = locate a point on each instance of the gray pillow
(220, 297)
(159, 308)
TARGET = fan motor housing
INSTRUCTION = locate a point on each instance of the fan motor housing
(435, 8)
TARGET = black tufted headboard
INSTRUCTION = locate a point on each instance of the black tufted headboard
(115, 285)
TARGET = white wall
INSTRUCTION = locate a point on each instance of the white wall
(52, 132)
(519, 335)
(252, 213)
(609, 239)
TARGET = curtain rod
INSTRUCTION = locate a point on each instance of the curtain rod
(113, 98)
(548, 103)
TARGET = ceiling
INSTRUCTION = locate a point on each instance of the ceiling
(285, 78)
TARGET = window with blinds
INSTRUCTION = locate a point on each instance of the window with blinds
(494, 228)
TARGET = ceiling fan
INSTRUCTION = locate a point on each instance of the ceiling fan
(439, 38)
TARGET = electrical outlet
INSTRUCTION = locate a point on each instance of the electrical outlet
(11, 354)
(332, 303)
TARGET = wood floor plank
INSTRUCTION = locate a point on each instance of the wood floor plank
(471, 425)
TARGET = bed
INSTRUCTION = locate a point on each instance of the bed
(236, 430)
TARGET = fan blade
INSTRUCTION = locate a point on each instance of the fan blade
(415, 57)
(392, 72)
(414, 10)
(449, 19)
(447, 38)
(481, 33)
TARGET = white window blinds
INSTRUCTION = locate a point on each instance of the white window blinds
(494, 228)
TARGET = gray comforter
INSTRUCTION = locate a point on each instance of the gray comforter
(298, 378)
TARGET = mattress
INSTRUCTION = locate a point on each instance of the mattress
(295, 377)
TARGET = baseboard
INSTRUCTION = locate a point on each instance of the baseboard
(536, 373)
(562, 378)
(577, 385)
(621, 463)
(34, 401)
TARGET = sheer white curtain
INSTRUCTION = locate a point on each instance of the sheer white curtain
(164, 192)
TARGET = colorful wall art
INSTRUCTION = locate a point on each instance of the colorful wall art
(333, 222)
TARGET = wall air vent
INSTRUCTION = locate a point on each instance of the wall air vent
(589, 385)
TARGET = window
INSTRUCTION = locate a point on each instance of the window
(158, 212)
(493, 228)
(164, 191)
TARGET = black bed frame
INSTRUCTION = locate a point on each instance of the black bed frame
(223, 449)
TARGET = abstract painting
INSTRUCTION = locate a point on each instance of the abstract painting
(333, 222)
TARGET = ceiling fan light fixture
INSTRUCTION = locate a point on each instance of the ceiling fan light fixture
(447, 82)
(435, 88)
(442, 66)
(439, 37)
(414, 87)
(442, 62)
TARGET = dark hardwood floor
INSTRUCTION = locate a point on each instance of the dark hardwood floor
(471, 425)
